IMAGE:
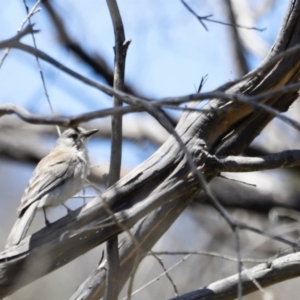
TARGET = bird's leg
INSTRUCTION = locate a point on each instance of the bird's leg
(45, 216)
(70, 211)
(84, 202)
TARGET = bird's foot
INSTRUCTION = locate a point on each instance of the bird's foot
(45, 216)
(70, 211)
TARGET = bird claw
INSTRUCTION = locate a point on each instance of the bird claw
(70, 211)
(45, 216)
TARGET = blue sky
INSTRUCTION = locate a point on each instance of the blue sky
(169, 53)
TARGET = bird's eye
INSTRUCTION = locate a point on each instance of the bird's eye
(74, 136)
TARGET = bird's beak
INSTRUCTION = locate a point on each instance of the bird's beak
(90, 133)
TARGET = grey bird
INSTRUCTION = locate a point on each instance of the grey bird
(57, 177)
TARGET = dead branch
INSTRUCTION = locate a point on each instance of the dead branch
(94, 61)
(120, 49)
(290, 158)
(266, 274)
(238, 50)
(8, 109)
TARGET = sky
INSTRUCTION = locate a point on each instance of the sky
(169, 53)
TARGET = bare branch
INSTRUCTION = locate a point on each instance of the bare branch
(141, 103)
(113, 261)
(212, 254)
(208, 19)
(39, 66)
(9, 43)
(166, 272)
(161, 275)
(94, 61)
(6, 109)
(120, 56)
(289, 158)
(266, 274)
(33, 11)
(238, 50)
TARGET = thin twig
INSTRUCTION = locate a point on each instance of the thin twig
(159, 276)
(207, 18)
(236, 180)
(208, 253)
(124, 229)
(202, 82)
(84, 196)
(166, 271)
(237, 46)
(73, 121)
(239, 261)
(33, 11)
(275, 237)
(15, 40)
(15, 43)
(136, 101)
(40, 67)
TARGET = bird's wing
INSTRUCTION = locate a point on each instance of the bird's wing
(51, 172)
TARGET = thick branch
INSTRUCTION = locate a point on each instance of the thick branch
(265, 274)
(289, 158)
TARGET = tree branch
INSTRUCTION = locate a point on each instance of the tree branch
(112, 250)
(285, 159)
(265, 274)
(237, 46)
(9, 43)
(94, 61)
(73, 121)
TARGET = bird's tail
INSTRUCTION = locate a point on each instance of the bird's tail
(21, 226)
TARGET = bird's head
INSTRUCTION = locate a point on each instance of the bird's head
(75, 138)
